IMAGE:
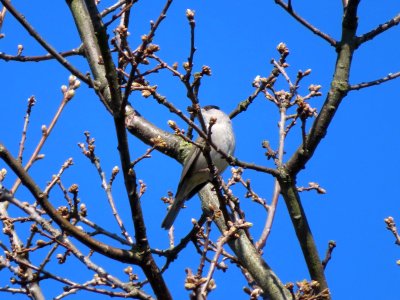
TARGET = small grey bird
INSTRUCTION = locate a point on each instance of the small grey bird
(196, 174)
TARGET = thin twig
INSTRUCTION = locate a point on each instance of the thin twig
(22, 20)
(308, 25)
(222, 241)
(112, 8)
(205, 248)
(165, 65)
(145, 155)
(189, 65)
(277, 189)
(362, 85)
(118, 103)
(283, 72)
(391, 226)
(262, 82)
(328, 255)
(45, 134)
(119, 14)
(33, 287)
(105, 249)
(66, 242)
(23, 58)
(173, 252)
(100, 230)
(31, 103)
(2, 16)
(13, 290)
(57, 177)
(242, 106)
(251, 194)
(106, 187)
(48, 256)
(73, 285)
(378, 30)
(140, 53)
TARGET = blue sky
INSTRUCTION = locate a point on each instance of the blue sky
(357, 162)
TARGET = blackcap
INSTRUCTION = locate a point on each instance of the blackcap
(196, 174)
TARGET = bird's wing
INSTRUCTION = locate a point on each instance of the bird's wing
(192, 159)
(185, 189)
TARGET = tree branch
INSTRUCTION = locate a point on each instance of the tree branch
(245, 251)
(338, 90)
(308, 25)
(46, 131)
(101, 40)
(33, 287)
(139, 55)
(378, 30)
(303, 231)
(37, 58)
(362, 85)
(150, 134)
(21, 19)
(64, 240)
(92, 51)
(117, 106)
(42, 199)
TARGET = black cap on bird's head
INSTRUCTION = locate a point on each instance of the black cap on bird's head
(209, 107)
(191, 110)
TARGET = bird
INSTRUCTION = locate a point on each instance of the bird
(196, 173)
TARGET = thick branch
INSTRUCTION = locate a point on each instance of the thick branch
(245, 251)
(338, 90)
(150, 134)
(92, 51)
(101, 40)
(148, 265)
(113, 98)
(303, 231)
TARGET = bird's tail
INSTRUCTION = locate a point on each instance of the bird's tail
(172, 213)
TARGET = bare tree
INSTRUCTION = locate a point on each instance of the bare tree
(121, 68)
